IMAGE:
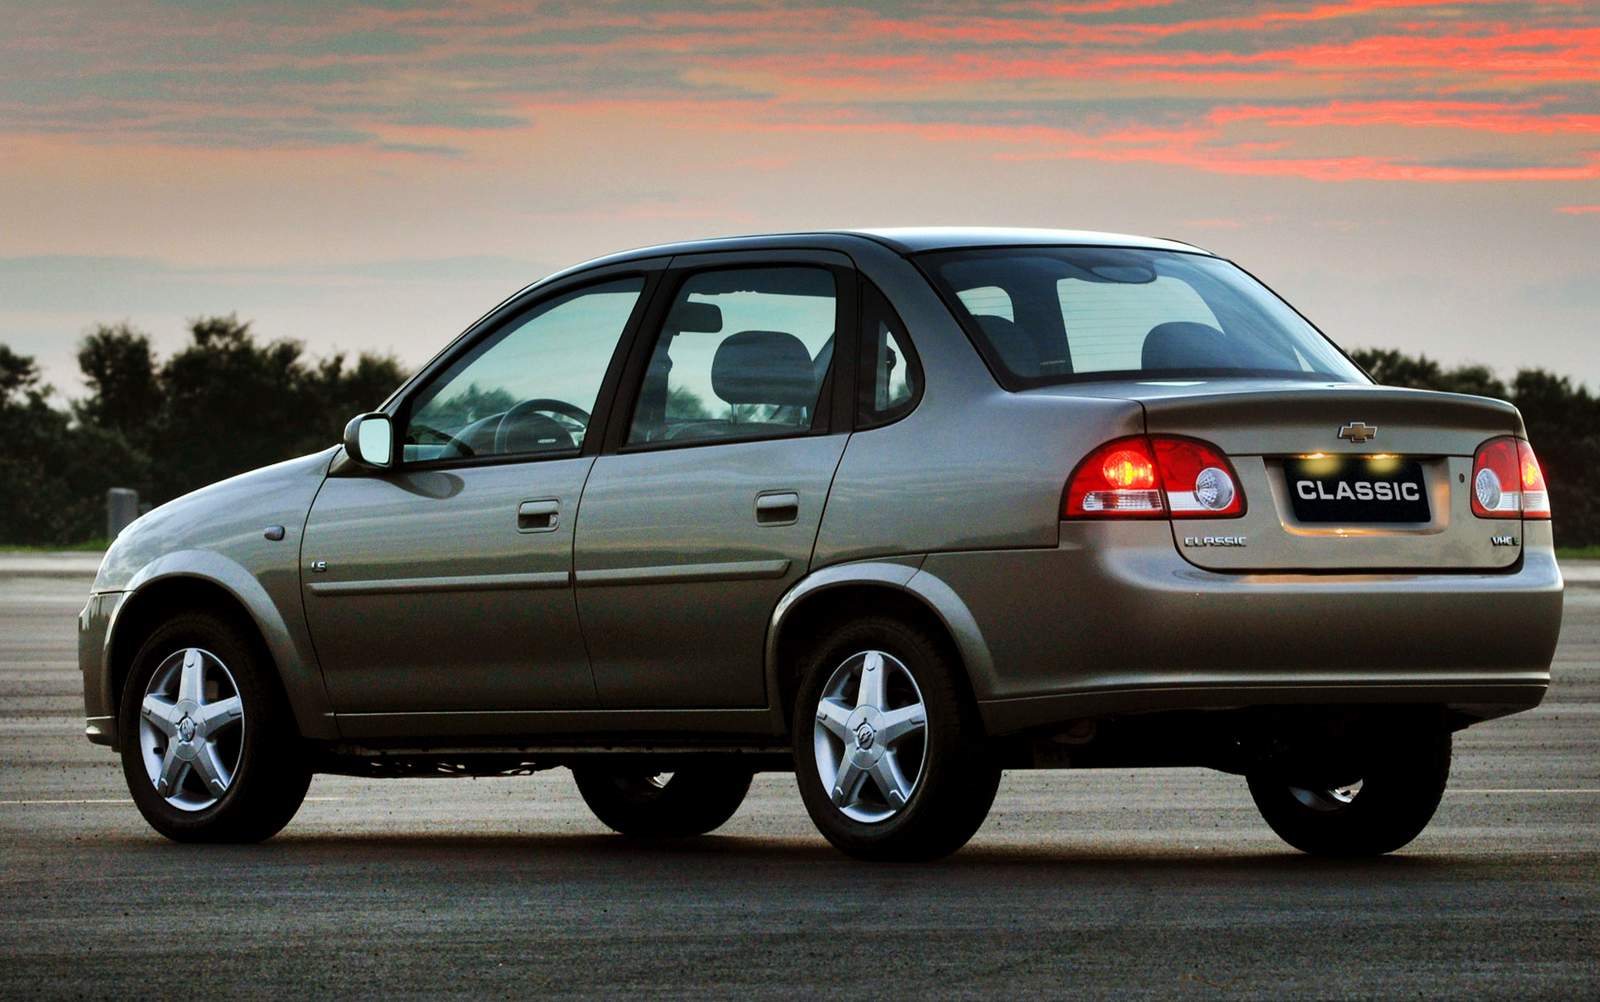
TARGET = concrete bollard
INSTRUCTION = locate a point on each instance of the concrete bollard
(122, 507)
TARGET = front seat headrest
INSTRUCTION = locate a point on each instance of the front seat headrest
(1183, 344)
(764, 367)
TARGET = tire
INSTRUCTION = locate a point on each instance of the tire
(258, 752)
(1399, 788)
(946, 764)
(642, 804)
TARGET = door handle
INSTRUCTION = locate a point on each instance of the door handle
(542, 515)
(779, 508)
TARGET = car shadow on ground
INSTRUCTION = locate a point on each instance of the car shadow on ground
(602, 856)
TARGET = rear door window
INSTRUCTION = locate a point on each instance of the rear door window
(889, 378)
(742, 354)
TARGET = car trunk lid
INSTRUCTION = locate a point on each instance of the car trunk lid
(1337, 476)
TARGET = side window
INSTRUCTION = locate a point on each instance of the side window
(742, 354)
(890, 378)
(528, 389)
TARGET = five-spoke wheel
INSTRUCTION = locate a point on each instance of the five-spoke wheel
(209, 746)
(191, 729)
(890, 755)
(870, 736)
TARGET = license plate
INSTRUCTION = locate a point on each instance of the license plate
(1357, 489)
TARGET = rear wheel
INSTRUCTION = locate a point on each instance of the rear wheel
(647, 804)
(1383, 800)
(209, 747)
(889, 754)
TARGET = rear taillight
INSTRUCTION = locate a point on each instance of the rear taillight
(1198, 479)
(1507, 481)
(1117, 479)
(1143, 477)
(1535, 498)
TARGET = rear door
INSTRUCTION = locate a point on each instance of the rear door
(705, 507)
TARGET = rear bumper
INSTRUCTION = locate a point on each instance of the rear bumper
(1115, 621)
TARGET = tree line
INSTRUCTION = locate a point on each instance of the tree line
(225, 403)
(229, 401)
(1563, 424)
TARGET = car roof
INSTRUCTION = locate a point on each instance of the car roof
(916, 239)
(904, 240)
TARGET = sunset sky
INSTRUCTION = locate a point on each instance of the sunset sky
(1409, 173)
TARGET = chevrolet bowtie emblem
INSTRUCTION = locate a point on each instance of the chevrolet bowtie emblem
(1358, 432)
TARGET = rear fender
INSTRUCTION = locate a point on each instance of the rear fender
(901, 574)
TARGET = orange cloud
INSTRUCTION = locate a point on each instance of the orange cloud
(1422, 90)
(1485, 116)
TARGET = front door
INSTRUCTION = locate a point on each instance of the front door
(444, 587)
(707, 508)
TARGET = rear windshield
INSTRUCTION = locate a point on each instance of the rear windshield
(1055, 314)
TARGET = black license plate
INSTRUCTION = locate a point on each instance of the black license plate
(1357, 489)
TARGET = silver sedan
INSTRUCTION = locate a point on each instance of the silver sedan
(895, 510)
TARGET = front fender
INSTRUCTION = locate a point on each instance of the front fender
(273, 605)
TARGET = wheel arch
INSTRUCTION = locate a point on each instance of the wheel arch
(897, 586)
(208, 581)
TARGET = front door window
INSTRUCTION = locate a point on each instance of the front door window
(529, 389)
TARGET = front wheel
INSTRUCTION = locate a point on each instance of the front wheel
(889, 753)
(647, 804)
(1386, 799)
(209, 747)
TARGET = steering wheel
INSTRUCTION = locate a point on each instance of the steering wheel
(511, 418)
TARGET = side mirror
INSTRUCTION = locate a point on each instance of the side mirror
(369, 440)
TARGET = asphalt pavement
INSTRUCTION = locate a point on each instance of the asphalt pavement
(1089, 884)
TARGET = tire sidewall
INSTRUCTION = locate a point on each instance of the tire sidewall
(225, 641)
(1403, 783)
(695, 801)
(949, 731)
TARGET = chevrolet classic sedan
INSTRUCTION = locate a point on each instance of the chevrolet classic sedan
(895, 510)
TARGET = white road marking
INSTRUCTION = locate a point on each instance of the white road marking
(1524, 791)
(74, 803)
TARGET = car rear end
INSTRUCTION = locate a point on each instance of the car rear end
(1282, 532)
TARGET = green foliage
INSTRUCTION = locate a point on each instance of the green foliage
(1563, 424)
(226, 403)
(52, 469)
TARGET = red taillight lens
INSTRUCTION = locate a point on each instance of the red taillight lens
(1507, 481)
(1117, 479)
(1198, 479)
(1496, 479)
(1142, 477)
(1535, 498)
(1129, 470)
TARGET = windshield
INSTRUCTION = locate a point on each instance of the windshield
(1054, 314)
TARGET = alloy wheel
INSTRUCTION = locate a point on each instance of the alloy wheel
(191, 729)
(1334, 799)
(870, 736)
